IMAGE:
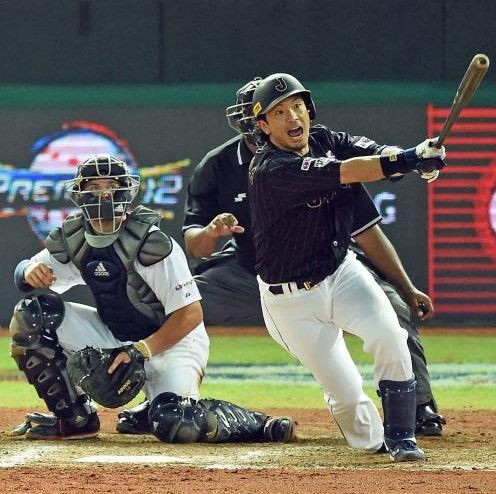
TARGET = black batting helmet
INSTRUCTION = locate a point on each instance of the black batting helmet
(240, 115)
(276, 87)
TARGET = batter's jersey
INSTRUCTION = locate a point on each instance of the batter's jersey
(220, 185)
(302, 216)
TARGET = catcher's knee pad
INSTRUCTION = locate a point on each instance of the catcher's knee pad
(37, 353)
(398, 404)
(35, 321)
(174, 419)
(231, 423)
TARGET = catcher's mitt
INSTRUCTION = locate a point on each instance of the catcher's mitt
(88, 368)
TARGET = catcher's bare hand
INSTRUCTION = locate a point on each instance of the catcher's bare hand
(122, 358)
(421, 304)
(39, 275)
(224, 224)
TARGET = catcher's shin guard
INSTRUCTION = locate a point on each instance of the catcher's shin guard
(398, 404)
(231, 423)
(37, 353)
(174, 419)
(228, 422)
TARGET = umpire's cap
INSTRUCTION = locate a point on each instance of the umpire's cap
(276, 87)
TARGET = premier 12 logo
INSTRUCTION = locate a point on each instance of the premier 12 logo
(38, 192)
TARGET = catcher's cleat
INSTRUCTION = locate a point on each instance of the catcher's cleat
(406, 450)
(279, 429)
(51, 428)
(134, 420)
(429, 422)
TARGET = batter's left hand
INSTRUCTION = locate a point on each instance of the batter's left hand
(421, 304)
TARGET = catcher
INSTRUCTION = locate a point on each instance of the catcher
(146, 331)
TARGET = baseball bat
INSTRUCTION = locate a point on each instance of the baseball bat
(470, 82)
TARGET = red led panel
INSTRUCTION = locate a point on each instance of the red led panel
(462, 215)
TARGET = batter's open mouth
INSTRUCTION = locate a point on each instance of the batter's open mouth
(298, 132)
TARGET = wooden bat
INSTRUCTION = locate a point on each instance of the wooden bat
(470, 82)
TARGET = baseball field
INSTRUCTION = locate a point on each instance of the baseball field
(248, 368)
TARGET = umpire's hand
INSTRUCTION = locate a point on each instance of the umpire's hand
(224, 224)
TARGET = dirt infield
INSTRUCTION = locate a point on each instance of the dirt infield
(462, 461)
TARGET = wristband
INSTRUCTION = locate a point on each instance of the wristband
(143, 348)
(402, 162)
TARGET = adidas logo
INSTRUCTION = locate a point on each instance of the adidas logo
(100, 270)
(119, 208)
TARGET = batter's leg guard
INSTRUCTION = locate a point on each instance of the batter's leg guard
(37, 353)
(398, 404)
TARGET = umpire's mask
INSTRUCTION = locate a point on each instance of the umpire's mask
(240, 115)
(107, 202)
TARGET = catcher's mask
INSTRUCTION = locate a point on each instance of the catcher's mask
(103, 203)
(277, 87)
(240, 115)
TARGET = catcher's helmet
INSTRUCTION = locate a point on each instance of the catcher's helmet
(276, 87)
(96, 206)
(240, 115)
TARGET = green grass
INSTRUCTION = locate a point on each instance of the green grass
(262, 350)
(438, 349)
(262, 396)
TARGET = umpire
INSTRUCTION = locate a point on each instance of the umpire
(303, 186)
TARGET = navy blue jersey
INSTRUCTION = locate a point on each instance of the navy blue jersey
(302, 216)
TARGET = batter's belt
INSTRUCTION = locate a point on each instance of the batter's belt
(293, 286)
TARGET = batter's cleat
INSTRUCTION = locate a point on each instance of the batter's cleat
(279, 429)
(428, 421)
(51, 428)
(406, 450)
(134, 420)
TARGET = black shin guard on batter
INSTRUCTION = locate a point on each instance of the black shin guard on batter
(37, 353)
(399, 407)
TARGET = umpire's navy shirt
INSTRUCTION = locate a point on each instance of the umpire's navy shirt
(219, 185)
(302, 217)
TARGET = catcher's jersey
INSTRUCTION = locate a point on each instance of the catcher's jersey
(170, 279)
(302, 217)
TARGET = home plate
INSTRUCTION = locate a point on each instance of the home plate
(132, 459)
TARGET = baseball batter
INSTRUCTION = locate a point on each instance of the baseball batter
(303, 186)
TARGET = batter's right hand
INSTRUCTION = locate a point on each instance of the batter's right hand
(427, 149)
(39, 275)
(224, 224)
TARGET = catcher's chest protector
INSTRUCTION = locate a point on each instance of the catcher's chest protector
(124, 301)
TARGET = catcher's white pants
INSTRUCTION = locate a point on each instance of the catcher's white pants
(179, 369)
(307, 324)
